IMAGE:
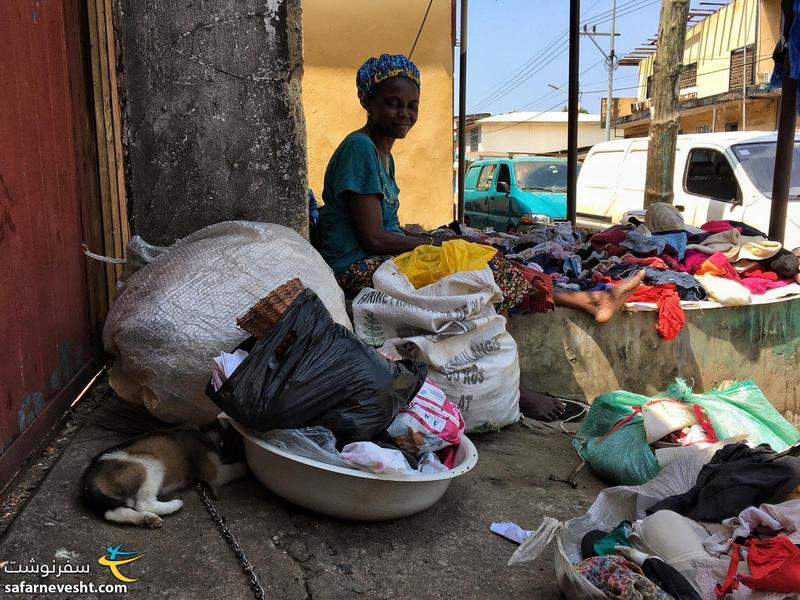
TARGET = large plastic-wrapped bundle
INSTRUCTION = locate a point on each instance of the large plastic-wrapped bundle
(177, 309)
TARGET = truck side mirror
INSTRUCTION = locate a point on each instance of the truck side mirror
(503, 187)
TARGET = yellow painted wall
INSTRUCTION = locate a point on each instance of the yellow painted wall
(710, 42)
(338, 37)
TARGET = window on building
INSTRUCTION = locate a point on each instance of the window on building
(485, 178)
(688, 76)
(732, 126)
(710, 174)
(648, 93)
(474, 138)
(742, 68)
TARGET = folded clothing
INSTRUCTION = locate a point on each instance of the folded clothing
(737, 477)
(717, 264)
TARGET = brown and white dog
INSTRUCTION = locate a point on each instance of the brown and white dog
(123, 484)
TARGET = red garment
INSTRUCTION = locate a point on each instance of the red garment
(761, 274)
(447, 456)
(542, 301)
(616, 250)
(609, 236)
(693, 259)
(759, 285)
(671, 317)
(650, 261)
(774, 565)
(718, 265)
(672, 263)
(718, 227)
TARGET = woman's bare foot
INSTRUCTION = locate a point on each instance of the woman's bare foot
(540, 407)
(608, 302)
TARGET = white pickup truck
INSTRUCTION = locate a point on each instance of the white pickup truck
(717, 176)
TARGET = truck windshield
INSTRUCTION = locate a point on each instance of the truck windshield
(542, 176)
(758, 161)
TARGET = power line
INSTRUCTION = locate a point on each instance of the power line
(556, 40)
(531, 70)
(425, 18)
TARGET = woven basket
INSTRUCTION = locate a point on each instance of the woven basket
(265, 314)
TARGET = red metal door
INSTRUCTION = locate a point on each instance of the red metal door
(46, 338)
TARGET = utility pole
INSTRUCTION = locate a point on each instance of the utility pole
(667, 66)
(611, 59)
(572, 110)
(462, 108)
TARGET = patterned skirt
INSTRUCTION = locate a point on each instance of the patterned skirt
(512, 282)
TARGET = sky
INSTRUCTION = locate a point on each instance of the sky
(515, 48)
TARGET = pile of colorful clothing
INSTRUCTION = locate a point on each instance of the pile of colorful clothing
(723, 261)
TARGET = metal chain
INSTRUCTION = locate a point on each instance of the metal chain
(248, 568)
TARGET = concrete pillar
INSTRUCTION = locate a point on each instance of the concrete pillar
(213, 113)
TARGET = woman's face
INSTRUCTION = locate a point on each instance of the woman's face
(393, 106)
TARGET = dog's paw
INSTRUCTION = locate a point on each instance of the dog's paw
(153, 522)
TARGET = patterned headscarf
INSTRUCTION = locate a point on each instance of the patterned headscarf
(375, 70)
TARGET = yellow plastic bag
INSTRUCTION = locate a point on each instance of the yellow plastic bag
(428, 264)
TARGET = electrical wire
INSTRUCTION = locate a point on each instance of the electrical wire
(416, 39)
(537, 65)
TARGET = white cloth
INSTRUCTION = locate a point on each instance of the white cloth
(510, 531)
(372, 457)
(776, 517)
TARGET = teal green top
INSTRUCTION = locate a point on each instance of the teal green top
(354, 167)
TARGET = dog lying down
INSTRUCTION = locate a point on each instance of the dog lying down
(123, 484)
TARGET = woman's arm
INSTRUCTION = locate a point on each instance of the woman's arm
(367, 215)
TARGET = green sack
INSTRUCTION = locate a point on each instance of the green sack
(612, 438)
(621, 456)
(741, 407)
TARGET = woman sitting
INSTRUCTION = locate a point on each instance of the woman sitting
(359, 227)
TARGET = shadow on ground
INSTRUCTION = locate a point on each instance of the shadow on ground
(444, 552)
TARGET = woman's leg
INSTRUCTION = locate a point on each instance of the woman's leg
(601, 305)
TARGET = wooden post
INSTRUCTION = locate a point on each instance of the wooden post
(667, 66)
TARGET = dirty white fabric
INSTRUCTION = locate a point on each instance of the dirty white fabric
(777, 517)
(371, 457)
(725, 291)
(673, 537)
(510, 531)
(179, 305)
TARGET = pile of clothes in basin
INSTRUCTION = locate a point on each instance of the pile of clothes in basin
(715, 512)
(309, 386)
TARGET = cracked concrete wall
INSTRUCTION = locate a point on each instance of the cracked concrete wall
(213, 113)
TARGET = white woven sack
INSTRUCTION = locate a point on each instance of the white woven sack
(179, 310)
(450, 325)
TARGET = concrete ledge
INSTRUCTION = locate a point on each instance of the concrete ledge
(568, 354)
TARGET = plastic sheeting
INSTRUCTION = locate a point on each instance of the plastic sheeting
(177, 308)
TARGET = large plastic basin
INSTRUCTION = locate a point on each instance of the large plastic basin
(349, 493)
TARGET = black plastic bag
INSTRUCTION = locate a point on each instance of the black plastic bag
(312, 371)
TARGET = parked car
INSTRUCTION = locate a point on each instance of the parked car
(717, 176)
(510, 193)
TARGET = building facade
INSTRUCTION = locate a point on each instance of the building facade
(528, 133)
(727, 64)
